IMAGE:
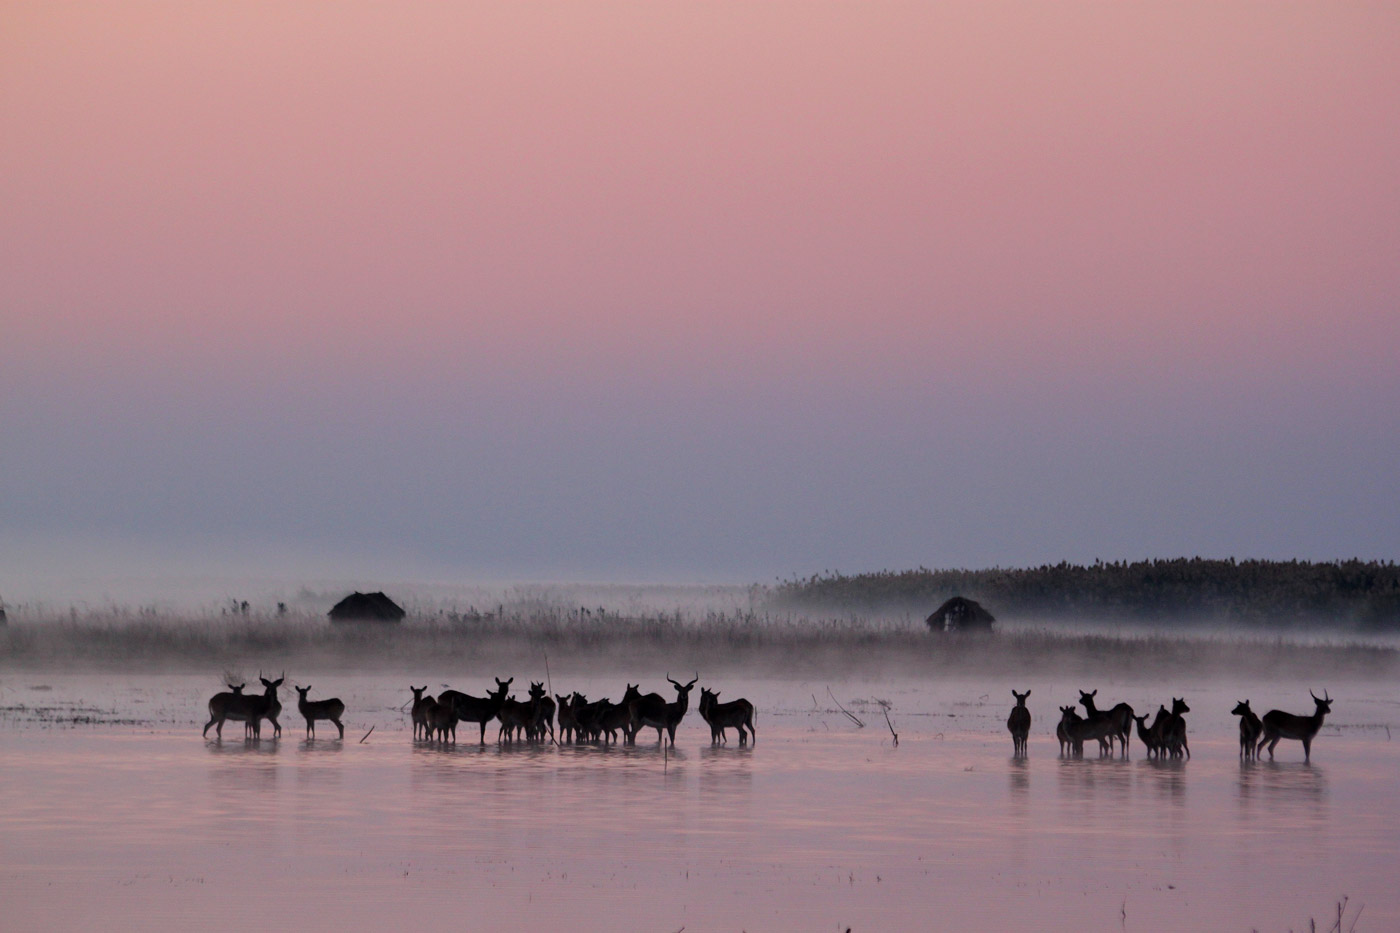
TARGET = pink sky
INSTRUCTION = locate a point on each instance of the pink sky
(849, 232)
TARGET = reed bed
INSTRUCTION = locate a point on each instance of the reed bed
(788, 645)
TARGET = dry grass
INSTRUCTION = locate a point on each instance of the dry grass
(731, 641)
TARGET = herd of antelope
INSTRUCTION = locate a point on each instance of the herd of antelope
(436, 718)
(1167, 734)
(580, 720)
(251, 709)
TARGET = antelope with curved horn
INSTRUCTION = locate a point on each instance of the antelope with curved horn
(1281, 725)
(663, 715)
(249, 710)
(1250, 728)
(1019, 723)
(312, 710)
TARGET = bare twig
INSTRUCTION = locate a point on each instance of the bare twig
(362, 741)
(886, 711)
(552, 739)
(849, 714)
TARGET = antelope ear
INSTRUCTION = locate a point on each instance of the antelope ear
(1028, 693)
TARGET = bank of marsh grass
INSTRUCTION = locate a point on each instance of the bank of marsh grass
(795, 645)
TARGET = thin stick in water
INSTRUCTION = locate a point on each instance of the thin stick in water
(362, 741)
(849, 714)
(551, 693)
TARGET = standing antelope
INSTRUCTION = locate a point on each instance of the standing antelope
(227, 706)
(270, 708)
(1068, 717)
(735, 714)
(660, 715)
(611, 718)
(1076, 729)
(544, 719)
(1281, 725)
(1019, 723)
(1150, 735)
(568, 721)
(1250, 728)
(1156, 736)
(442, 722)
(1121, 718)
(476, 709)
(311, 711)
(586, 713)
(250, 710)
(518, 717)
(1174, 731)
(421, 704)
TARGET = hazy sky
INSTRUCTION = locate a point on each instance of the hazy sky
(707, 291)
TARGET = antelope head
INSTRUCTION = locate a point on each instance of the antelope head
(683, 690)
(1020, 697)
(1179, 706)
(502, 686)
(1241, 709)
(1324, 705)
(237, 688)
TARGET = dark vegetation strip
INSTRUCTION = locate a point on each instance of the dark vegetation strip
(1260, 593)
(740, 641)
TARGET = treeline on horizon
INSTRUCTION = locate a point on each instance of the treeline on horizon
(1262, 593)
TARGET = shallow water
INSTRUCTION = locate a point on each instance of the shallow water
(127, 819)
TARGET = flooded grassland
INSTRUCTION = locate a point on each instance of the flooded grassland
(115, 814)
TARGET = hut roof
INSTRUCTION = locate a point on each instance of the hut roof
(959, 615)
(366, 607)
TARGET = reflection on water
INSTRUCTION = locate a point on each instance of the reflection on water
(812, 829)
(1274, 783)
(1018, 773)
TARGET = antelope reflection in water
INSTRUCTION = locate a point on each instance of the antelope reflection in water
(1287, 782)
(1018, 785)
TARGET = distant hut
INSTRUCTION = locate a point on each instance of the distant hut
(960, 615)
(366, 607)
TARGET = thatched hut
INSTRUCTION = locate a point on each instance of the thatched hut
(366, 607)
(960, 615)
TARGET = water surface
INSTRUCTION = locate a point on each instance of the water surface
(128, 820)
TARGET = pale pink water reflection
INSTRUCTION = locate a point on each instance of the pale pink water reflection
(820, 826)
